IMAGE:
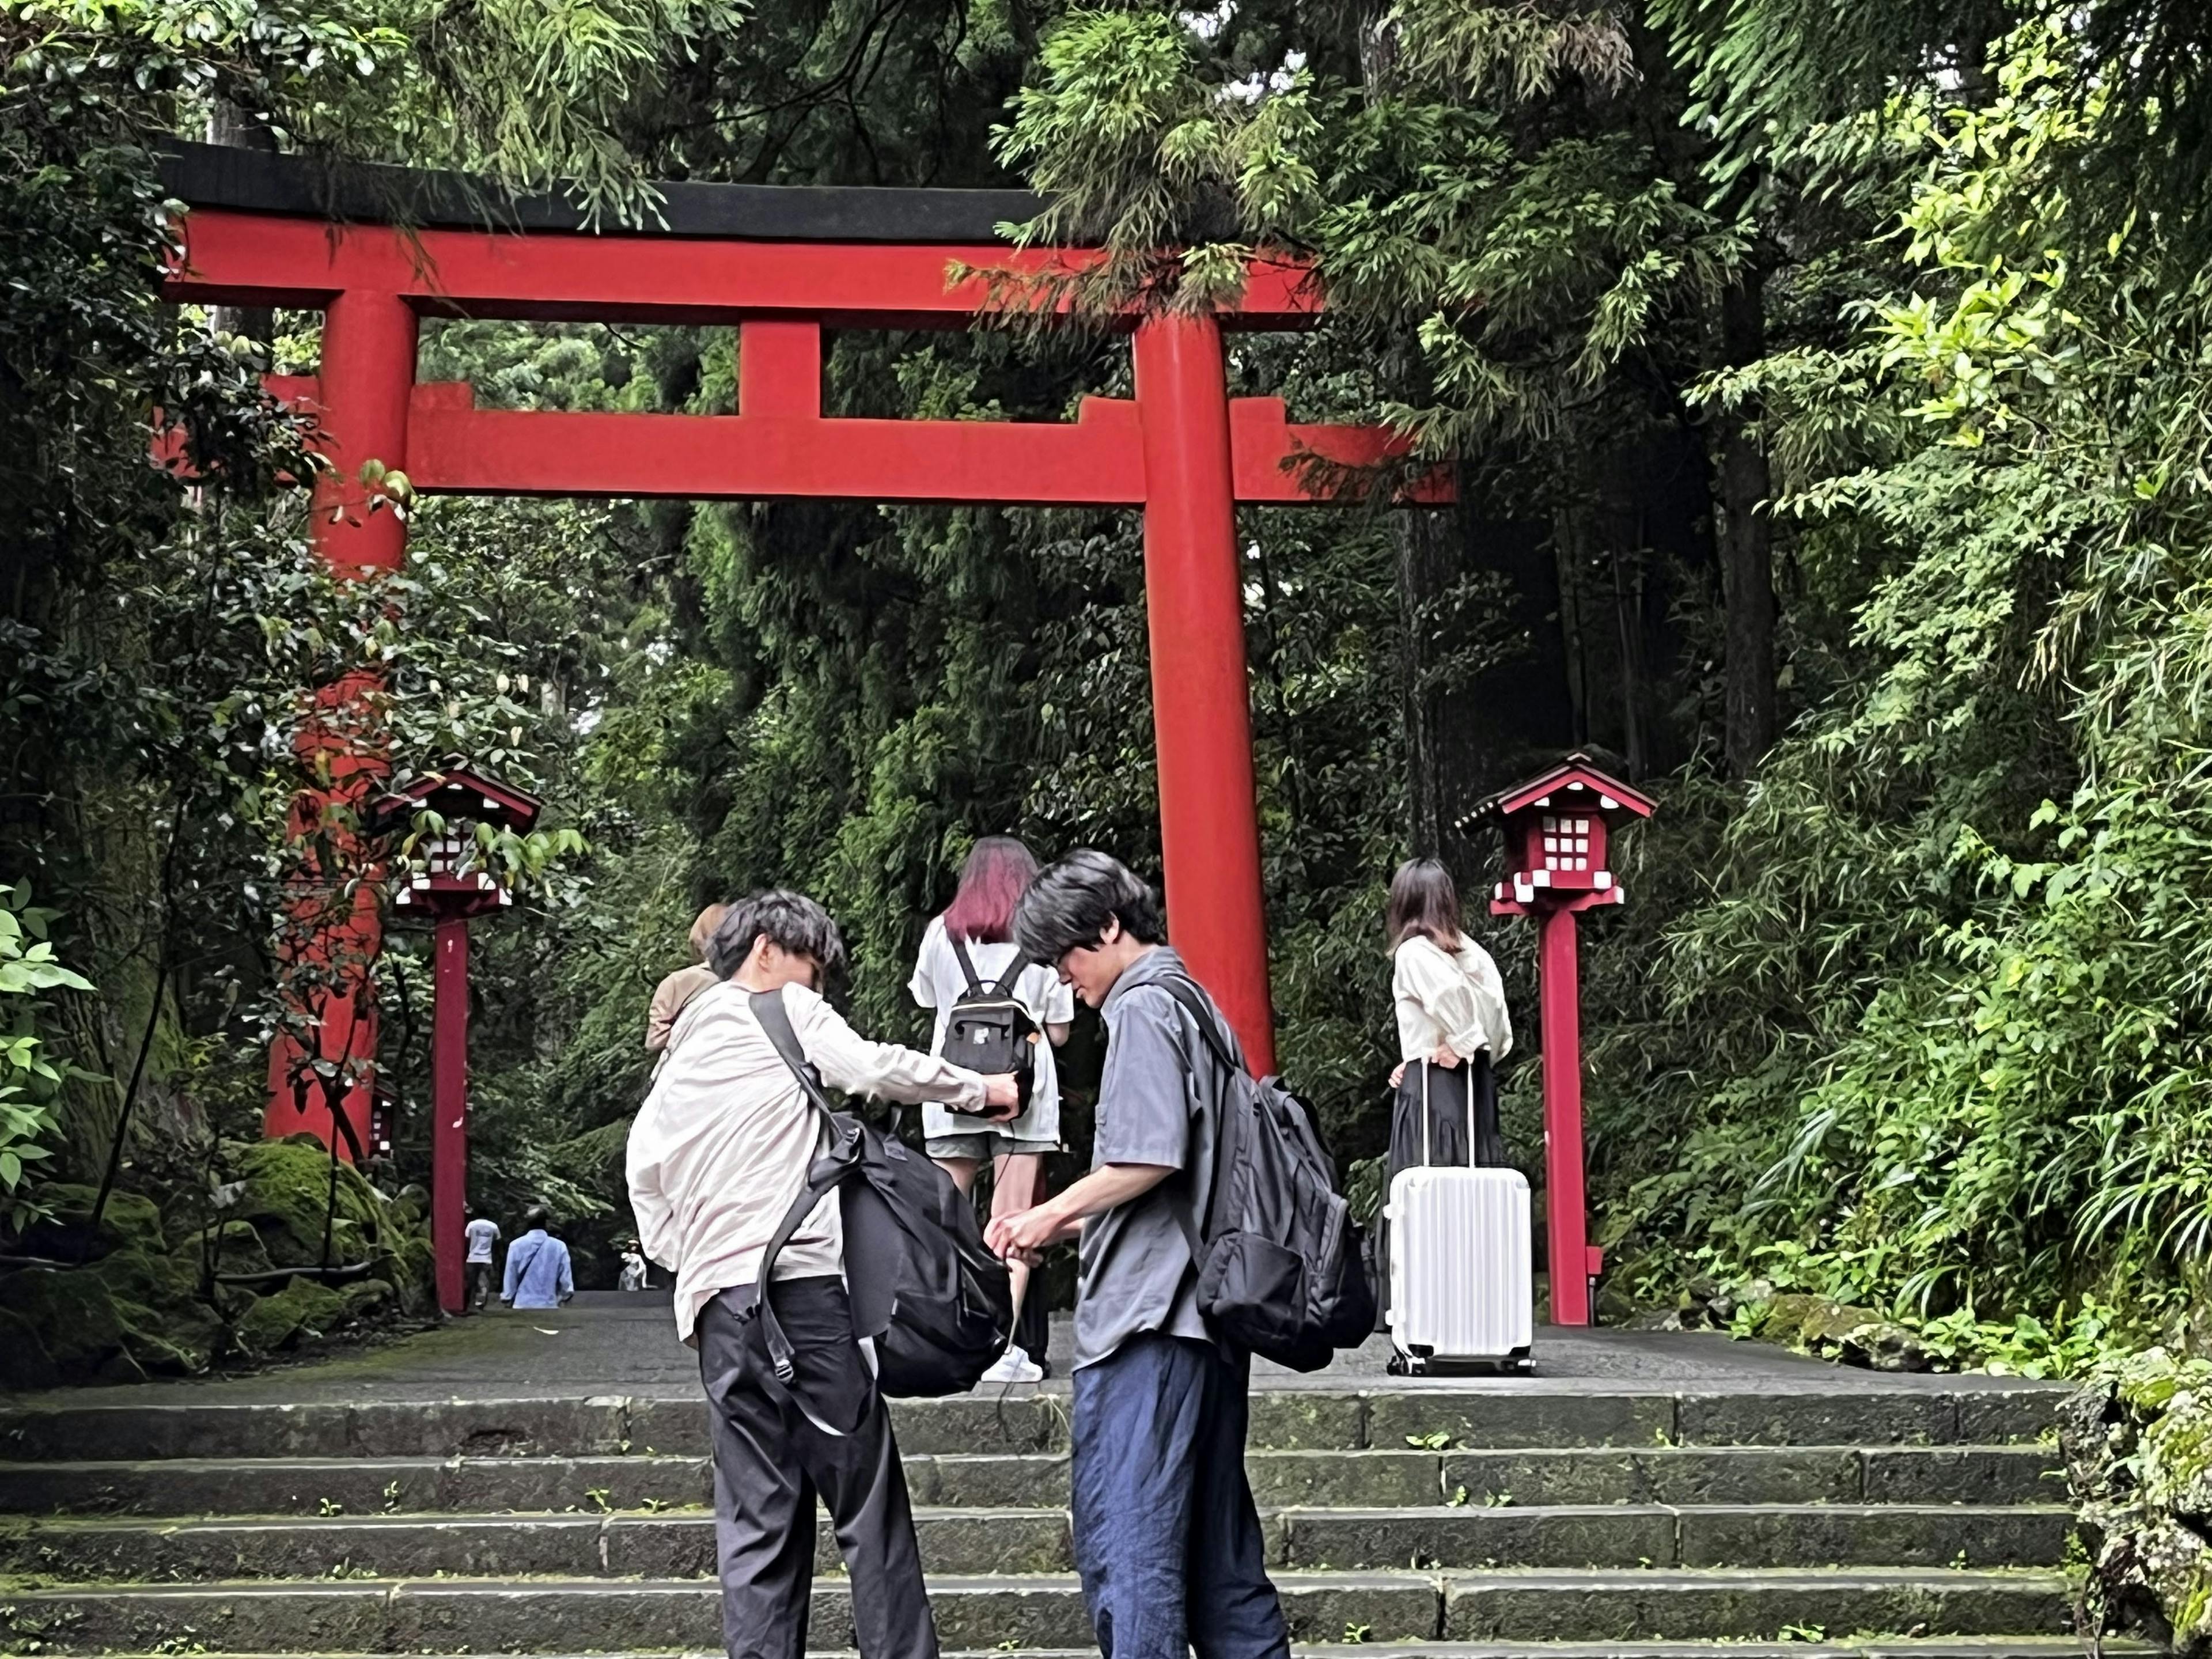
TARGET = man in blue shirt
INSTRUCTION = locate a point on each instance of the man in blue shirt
(537, 1274)
(1167, 1538)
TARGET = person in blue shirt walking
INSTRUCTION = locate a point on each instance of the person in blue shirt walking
(537, 1274)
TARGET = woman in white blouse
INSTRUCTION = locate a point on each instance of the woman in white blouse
(1452, 1027)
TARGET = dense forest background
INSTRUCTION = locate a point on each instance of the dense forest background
(1826, 386)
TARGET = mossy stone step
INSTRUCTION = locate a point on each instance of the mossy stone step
(956, 1541)
(1530, 1414)
(545, 1615)
(1646, 1535)
(1856, 1647)
(1674, 1474)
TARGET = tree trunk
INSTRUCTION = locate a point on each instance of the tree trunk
(1746, 543)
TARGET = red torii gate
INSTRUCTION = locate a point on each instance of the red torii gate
(780, 263)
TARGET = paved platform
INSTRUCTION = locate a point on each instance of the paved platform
(608, 1343)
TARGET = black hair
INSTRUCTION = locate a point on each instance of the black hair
(793, 923)
(1423, 900)
(537, 1216)
(1070, 904)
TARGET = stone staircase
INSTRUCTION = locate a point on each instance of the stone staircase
(1581, 1519)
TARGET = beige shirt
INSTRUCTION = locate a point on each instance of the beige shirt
(1451, 998)
(669, 999)
(721, 1146)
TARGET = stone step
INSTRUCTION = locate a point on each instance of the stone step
(1507, 1415)
(1658, 1474)
(547, 1615)
(956, 1541)
(1865, 1647)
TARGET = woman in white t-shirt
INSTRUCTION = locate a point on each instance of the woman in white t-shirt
(982, 915)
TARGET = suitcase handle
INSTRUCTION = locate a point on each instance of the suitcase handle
(1428, 1144)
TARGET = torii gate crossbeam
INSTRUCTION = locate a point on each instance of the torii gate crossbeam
(779, 266)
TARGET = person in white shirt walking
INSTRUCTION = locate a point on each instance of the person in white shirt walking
(980, 923)
(483, 1234)
(717, 1154)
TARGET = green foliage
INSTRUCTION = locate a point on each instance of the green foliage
(29, 1083)
(1944, 996)
(531, 96)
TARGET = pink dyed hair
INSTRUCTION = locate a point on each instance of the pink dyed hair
(998, 872)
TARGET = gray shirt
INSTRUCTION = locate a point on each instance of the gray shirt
(1159, 1103)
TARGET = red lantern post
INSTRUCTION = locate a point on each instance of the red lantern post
(448, 891)
(1558, 826)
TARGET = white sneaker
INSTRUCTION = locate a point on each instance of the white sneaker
(1014, 1366)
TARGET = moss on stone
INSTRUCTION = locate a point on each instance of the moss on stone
(130, 1219)
(239, 1249)
(366, 1298)
(286, 1191)
(79, 1326)
(2138, 1447)
(301, 1311)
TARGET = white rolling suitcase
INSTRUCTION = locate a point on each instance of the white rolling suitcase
(1463, 1281)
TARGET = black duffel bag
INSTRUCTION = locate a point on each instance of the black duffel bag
(937, 1305)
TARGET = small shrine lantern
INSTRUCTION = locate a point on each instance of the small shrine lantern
(1558, 829)
(447, 891)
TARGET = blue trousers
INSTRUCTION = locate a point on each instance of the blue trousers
(1166, 1536)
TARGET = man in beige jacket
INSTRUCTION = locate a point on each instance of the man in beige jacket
(670, 996)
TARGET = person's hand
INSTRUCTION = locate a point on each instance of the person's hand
(1024, 1236)
(1398, 1074)
(1002, 1097)
(1444, 1057)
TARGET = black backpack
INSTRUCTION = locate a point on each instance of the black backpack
(1281, 1267)
(989, 1030)
(936, 1302)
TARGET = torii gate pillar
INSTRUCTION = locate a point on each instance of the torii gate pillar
(365, 377)
(1201, 704)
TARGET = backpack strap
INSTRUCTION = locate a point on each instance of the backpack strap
(1004, 988)
(824, 1174)
(967, 962)
(1185, 992)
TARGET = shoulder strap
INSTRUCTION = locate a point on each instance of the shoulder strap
(528, 1262)
(775, 1020)
(1004, 988)
(822, 1174)
(1187, 992)
(967, 962)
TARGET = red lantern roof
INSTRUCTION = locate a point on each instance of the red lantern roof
(1574, 779)
(454, 791)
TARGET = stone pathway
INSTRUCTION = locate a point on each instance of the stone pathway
(604, 1342)
(535, 1484)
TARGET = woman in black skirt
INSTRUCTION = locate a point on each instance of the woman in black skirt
(1452, 1025)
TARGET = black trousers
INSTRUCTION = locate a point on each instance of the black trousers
(776, 1448)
